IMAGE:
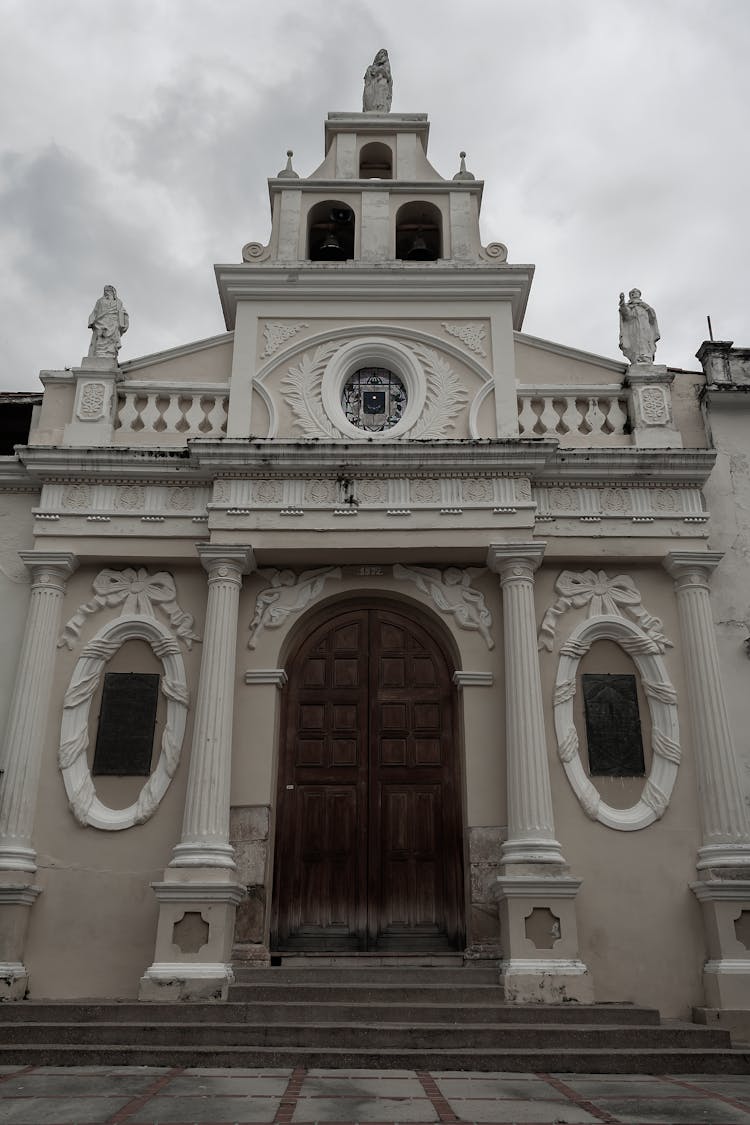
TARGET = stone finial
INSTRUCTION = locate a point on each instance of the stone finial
(639, 330)
(288, 172)
(108, 322)
(462, 174)
(378, 90)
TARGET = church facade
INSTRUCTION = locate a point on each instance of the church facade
(371, 628)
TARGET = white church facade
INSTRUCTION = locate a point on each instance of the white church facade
(371, 628)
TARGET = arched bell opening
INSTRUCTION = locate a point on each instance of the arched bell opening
(330, 232)
(376, 162)
(419, 232)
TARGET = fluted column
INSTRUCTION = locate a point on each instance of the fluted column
(205, 829)
(29, 707)
(531, 828)
(726, 832)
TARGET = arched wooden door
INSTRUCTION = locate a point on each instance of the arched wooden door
(368, 846)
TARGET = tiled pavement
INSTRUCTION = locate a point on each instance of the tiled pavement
(162, 1096)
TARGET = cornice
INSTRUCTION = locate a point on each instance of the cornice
(571, 353)
(175, 353)
(630, 465)
(49, 463)
(354, 458)
(14, 475)
(356, 282)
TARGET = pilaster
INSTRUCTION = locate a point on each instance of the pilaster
(723, 887)
(650, 394)
(22, 757)
(199, 895)
(536, 895)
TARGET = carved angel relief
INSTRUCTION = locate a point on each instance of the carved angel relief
(452, 593)
(286, 596)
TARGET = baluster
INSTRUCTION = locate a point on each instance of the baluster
(150, 414)
(594, 418)
(127, 413)
(194, 415)
(571, 417)
(527, 417)
(550, 419)
(216, 416)
(173, 414)
(618, 414)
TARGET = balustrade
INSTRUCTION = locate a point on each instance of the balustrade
(583, 415)
(172, 414)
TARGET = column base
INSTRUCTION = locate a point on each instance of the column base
(181, 981)
(203, 855)
(194, 936)
(16, 900)
(550, 981)
(532, 851)
(14, 980)
(726, 918)
(539, 935)
(723, 855)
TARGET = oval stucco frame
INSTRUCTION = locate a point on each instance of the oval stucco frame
(86, 807)
(665, 732)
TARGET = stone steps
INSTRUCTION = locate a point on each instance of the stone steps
(379, 1016)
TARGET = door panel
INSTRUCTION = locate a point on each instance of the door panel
(368, 851)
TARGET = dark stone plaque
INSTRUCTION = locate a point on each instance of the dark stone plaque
(125, 738)
(613, 726)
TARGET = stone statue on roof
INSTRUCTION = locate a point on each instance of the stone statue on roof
(378, 85)
(108, 323)
(639, 330)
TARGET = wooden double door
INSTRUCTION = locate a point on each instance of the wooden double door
(369, 841)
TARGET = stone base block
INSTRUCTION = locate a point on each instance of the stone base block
(253, 956)
(726, 983)
(177, 982)
(194, 940)
(736, 1022)
(539, 936)
(14, 980)
(553, 981)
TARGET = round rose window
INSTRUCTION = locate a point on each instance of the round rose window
(373, 399)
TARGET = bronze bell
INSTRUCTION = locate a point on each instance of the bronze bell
(419, 250)
(330, 249)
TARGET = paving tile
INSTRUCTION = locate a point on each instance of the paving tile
(613, 1086)
(70, 1085)
(373, 1085)
(507, 1109)
(336, 1072)
(733, 1085)
(243, 1071)
(685, 1110)
(227, 1083)
(61, 1111)
(491, 1086)
(368, 1109)
(164, 1109)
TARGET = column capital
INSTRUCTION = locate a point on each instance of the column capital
(680, 564)
(238, 559)
(501, 557)
(64, 563)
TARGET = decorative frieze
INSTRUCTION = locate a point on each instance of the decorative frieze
(275, 334)
(135, 592)
(471, 333)
(599, 594)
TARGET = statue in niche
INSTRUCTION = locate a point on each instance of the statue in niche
(451, 592)
(638, 328)
(108, 323)
(287, 595)
(378, 85)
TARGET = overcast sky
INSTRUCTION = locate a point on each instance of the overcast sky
(136, 137)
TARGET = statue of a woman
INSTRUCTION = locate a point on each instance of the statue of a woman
(378, 85)
(638, 328)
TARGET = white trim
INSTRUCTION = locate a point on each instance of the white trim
(665, 733)
(165, 971)
(527, 966)
(473, 679)
(206, 894)
(74, 733)
(275, 676)
(724, 890)
(19, 894)
(475, 407)
(538, 886)
(729, 966)
(12, 970)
